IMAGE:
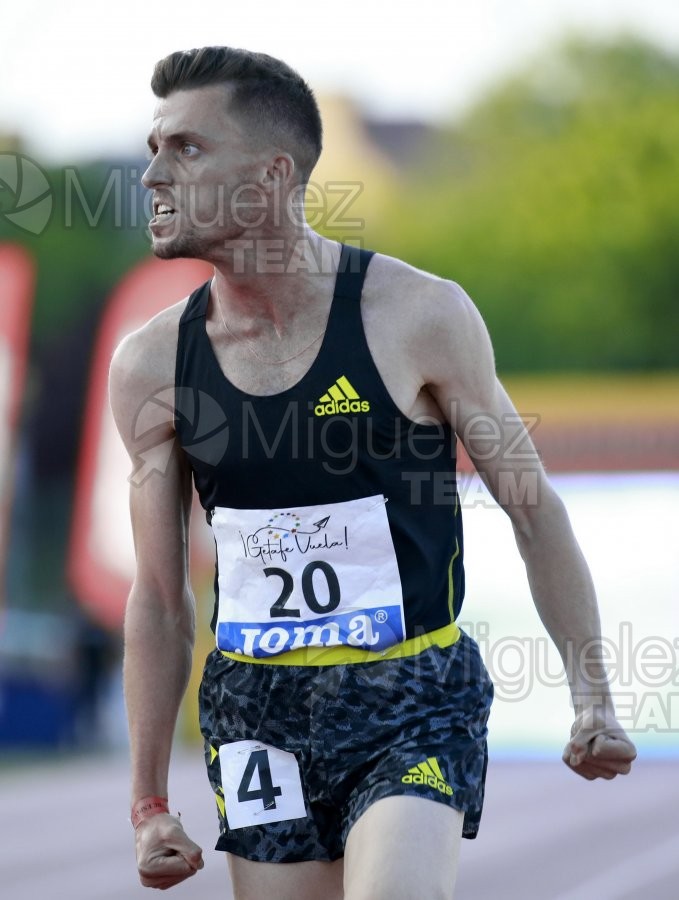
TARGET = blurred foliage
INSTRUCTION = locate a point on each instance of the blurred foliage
(555, 203)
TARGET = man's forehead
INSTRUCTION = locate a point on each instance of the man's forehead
(201, 110)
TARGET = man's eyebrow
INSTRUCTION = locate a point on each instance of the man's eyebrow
(177, 137)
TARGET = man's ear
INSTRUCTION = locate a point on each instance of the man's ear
(279, 172)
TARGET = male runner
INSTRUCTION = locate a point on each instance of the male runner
(344, 713)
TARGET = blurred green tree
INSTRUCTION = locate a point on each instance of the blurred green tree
(555, 203)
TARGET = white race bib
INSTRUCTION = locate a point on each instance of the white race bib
(311, 576)
(261, 784)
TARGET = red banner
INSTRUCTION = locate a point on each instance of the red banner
(101, 557)
(17, 280)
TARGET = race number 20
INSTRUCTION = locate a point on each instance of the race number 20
(308, 590)
(261, 784)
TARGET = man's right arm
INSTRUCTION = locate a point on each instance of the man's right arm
(159, 620)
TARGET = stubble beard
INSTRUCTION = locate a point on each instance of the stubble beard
(189, 245)
(184, 247)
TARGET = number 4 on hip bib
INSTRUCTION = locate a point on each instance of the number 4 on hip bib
(261, 784)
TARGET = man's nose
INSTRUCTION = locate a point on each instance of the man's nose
(157, 173)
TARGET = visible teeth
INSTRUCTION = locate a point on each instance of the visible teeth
(163, 209)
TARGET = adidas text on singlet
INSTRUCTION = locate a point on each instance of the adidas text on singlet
(336, 518)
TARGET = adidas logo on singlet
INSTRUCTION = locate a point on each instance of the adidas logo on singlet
(341, 397)
(429, 773)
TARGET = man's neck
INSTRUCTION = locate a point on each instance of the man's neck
(268, 283)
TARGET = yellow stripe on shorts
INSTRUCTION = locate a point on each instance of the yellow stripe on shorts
(340, 656)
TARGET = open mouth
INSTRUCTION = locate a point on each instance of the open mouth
(162, 213)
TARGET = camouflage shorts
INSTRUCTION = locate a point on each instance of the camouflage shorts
(359, 732)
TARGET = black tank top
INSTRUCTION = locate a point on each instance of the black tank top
(333, 437)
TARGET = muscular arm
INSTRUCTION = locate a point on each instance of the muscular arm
(159, 620)
(460, 374)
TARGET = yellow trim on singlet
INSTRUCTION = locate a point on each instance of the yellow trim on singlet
(451, 583)
(340, 656)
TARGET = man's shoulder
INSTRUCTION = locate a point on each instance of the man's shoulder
(146, 356)
(441, 334)
(396, 288)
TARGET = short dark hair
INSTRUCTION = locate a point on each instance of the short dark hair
(264, 89)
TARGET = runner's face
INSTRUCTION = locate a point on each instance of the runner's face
(200, 157)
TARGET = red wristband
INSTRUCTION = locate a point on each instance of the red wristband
(147, 807)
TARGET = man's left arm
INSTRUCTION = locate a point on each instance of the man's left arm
(461, 377)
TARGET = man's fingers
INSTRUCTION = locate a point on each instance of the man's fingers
(173, 863)
(611, 747)
(163, 873)
(598, 748)
(575, 753)
(609, 770)
(187, 850)
(165, 865)
(163, 882)
(605, 757)
(613, 754)
(580, 744)
(594, 770)
(603, 747)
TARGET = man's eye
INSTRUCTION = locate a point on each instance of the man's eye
(189, 150)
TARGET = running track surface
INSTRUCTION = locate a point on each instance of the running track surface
(545, 835)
